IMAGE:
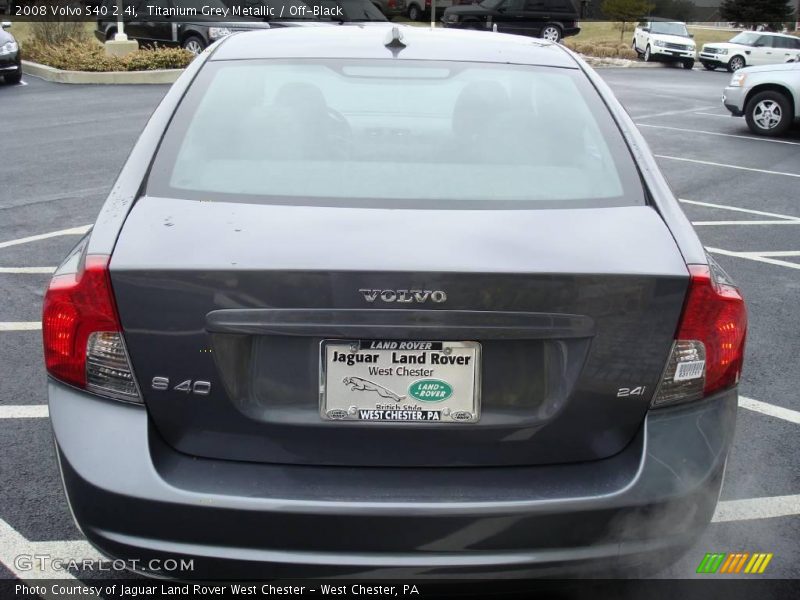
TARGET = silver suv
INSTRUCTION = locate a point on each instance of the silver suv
(768, 97)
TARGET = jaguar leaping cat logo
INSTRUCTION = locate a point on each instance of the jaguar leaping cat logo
(357, 384)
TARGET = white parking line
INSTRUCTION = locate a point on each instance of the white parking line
(716, 164)
(756, 256)
(14, 544)
(738, 209)
(43, 236)
(771, 410)
(714, 133)
(782, 219)
(757, 508)
(708, 114)
(672, 112)
(27, 269)
(775, 253)
(707, 223)
(768, 256)
(20, 325)
(29, 411)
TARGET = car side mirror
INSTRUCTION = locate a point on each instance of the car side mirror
(691, 35)
(5, 24)
(646, 29)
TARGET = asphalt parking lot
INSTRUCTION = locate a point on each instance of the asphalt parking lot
(65, 145)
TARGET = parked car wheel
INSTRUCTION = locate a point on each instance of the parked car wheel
(647, 56)
(194, 44)
(709, 66)
(769, 113)
(415, 13)
(736, 63)
(551, 33)
(635, 49)
(13, 78)
(688, 64)
(112, 31)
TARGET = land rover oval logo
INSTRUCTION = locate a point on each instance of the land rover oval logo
(430, 390)
(461, 415)
(337, 414)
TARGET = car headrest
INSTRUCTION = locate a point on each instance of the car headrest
(476, 104)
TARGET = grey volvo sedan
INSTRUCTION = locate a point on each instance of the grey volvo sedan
(425, 307)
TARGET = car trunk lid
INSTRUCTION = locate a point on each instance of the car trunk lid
(574, 313)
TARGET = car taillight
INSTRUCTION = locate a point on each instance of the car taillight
(709, 346)
(427, 3)
(392, 4)
(82, 335)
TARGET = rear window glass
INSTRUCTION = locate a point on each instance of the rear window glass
(389, 133)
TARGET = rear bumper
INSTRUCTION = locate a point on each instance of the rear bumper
(135, 498)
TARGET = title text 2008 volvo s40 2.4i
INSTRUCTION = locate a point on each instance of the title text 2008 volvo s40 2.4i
(425, 306)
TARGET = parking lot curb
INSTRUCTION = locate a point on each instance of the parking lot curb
(620, 63)
(159, 76)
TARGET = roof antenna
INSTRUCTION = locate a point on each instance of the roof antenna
(394, 41)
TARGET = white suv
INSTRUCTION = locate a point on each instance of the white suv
(666, 41)
(751, 49)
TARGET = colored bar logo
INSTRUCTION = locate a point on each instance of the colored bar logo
(734, 563)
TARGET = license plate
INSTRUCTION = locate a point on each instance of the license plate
(400, 381)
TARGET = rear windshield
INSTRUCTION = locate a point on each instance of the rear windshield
(390, 133)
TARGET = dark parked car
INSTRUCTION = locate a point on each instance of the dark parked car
(390, 8)
(548, 19)
(426, 306)
(182, 22)
(420, 10)
(10, 56)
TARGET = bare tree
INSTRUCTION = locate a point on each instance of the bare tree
(626, 11)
